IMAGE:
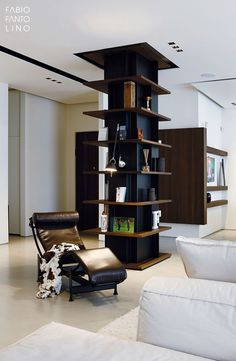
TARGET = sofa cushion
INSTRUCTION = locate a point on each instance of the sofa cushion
(189, 315)
(208, 259)
(57, 342)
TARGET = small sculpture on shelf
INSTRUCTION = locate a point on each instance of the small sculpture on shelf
(146, 167)
(121, 162)
(148, 102)
(139, 134)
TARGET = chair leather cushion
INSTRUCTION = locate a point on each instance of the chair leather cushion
(55, 219)
(49, 237)
(101, 265)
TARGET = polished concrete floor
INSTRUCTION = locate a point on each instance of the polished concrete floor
(21, 312)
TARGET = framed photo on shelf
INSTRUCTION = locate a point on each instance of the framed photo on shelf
(122, 224)
(211, 171)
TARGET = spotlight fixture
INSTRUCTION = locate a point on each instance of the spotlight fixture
(111, 165)
(53, 80)
(233, 103)
(175, 46)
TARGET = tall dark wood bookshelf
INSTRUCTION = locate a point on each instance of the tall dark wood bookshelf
(138, 63)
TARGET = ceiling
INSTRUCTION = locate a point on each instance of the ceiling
(204, 29)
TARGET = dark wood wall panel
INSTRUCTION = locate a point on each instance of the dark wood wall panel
(187, 186)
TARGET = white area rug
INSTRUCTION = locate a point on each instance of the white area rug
(124, 327)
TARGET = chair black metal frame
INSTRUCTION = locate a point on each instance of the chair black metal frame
(92, 269)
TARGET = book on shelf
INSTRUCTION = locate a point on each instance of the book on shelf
(129, 94)
(122, 132)
(120, 194)
(103, 133)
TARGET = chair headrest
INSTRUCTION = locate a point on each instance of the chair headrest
(55, 220)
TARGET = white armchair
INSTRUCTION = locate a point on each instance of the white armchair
(196, 316)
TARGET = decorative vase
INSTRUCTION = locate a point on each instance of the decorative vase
(146, 167)
(152, 194)
(104, 222)
(161, 164)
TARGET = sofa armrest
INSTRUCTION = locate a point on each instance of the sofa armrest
(57, 342)
(189, 315)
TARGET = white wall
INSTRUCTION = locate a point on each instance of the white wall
(181, 106)
(4, 163)
(188, 109)
(76, 121)
(42, 157)
(14, 162)
(210, 116)
(229, 144)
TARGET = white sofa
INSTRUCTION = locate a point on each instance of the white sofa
(179, 320)
(194, 316)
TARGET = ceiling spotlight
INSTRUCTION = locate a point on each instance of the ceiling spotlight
(54, 80)
(233, 103)
(175, 46)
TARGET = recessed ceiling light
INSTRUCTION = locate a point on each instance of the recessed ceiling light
(208, 75)
(233, 103)
(54, 80)
(175, 46)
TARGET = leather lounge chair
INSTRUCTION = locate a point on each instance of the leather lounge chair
(91, 269)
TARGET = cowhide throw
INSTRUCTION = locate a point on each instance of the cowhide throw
(51, 272)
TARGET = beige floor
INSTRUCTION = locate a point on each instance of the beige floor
(21, 312)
